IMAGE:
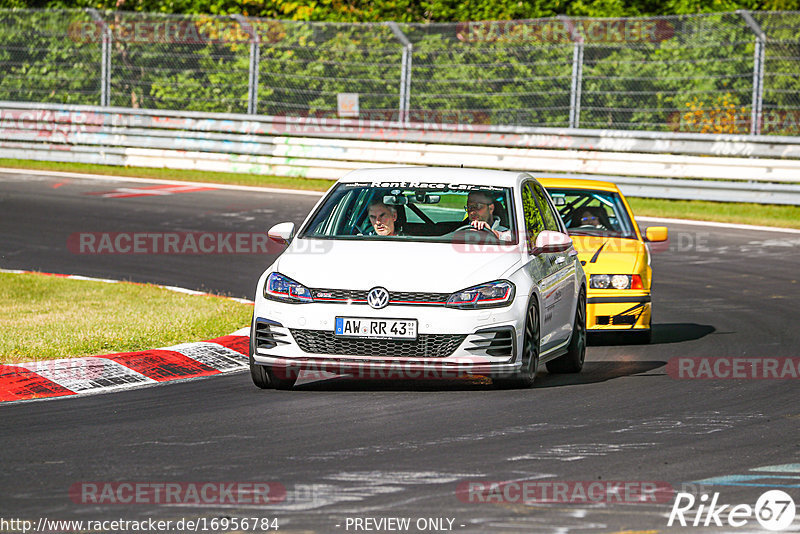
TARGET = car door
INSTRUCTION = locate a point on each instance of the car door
(558, 286)
(564, 264)
(540, 267)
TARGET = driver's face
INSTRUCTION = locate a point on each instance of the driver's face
(382, 219)
(479, 208)
(589, 219)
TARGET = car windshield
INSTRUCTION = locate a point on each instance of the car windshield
(413, 212)
(592, 212)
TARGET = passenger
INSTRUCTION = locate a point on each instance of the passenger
(383, 218)
(480, 213)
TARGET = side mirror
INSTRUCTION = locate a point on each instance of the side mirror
(282, 233)
(656, 233)
(549, 241)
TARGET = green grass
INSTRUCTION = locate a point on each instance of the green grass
(45, 317)
(758, 214)
(729, 212)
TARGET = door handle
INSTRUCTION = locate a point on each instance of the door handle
(561, 259)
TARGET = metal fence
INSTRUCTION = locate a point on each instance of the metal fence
(734, 73)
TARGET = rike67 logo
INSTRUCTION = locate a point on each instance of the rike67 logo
(774, 510)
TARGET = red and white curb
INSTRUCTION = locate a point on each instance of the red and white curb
(70, 377)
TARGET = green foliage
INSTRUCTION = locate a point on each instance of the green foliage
(689, 74)
(36, 65)
(415, 10)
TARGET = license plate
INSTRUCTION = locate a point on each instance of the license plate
(366, 327)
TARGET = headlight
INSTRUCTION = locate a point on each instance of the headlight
(615, 281)
(600, 281)
(491, 295)
(284, 289)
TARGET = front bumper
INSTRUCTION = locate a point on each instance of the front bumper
(618, 312)
(449, 342)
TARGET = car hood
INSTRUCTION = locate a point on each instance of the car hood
(397, 265)
(609, 255)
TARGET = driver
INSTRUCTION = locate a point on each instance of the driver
(480, 212)
(590, 218)
(383, 218)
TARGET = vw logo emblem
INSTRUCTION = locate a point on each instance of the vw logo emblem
(378, 298)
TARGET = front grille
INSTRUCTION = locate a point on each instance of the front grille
(418, 298)
(625, 320)
(425, 346)
(338, 294)
(395, 297)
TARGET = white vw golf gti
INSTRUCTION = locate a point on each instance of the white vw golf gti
(422, 273)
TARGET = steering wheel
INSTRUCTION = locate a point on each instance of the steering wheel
(469, 227)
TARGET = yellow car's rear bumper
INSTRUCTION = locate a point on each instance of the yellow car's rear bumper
(618, 313)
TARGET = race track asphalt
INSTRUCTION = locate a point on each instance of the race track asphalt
(346, 450)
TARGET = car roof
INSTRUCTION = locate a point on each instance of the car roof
(446, 175)
(577, 183)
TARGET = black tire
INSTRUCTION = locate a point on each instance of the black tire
(257, 372)
(259, 375)
(572, 361)
(284, 378)
(264, 376)
(530, 353)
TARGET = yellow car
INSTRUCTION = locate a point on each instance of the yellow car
(613, 252)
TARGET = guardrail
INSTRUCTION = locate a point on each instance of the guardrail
(660, 165)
